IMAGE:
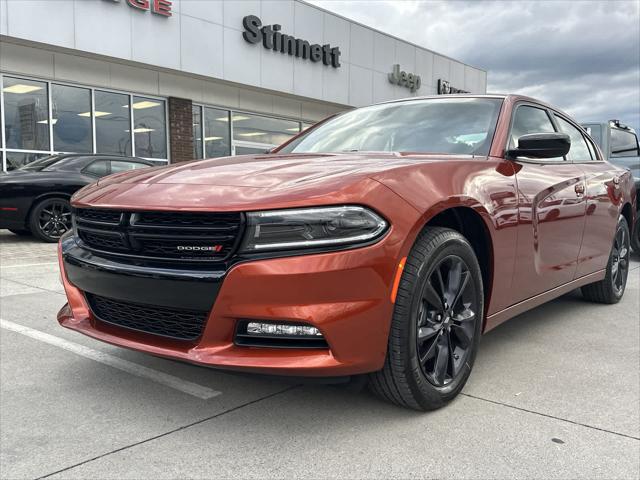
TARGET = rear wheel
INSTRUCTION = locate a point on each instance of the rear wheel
(635, 236)
(50, 219)
(611, 289)
(20, 233)
(436, 323)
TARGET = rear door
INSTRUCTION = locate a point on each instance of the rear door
(551, 210)
(602, 196)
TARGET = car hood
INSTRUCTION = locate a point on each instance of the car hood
(241, 181)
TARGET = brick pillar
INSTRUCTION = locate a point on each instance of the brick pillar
(180, 129)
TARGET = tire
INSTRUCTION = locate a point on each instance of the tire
(635, 236)
(20, 233)
(611, 289)
(412, 375)
(50, 219)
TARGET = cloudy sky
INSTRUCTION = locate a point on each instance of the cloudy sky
(580, 55)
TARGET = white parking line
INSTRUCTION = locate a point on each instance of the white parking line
(28, 265)
(176, 383)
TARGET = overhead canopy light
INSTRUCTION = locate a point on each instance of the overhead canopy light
(53, 121)
(252, 134)
(143, 130)
(236, 118)
(143, 104)
(96, 114)
(210, 139)
(293, 129)
(21, 88)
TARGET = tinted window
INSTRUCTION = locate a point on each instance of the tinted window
(43, 162)
(99, 168)
(449, 126)
(113, 123)
(150, 127)
(18, 159)
(122, 166)
(71, 110)
(528, 120)
(623, 144)
(216, 133)
(579, 151)
(26, 115)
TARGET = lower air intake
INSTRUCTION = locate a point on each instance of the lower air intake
(173, 323)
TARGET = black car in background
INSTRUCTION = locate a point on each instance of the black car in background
(35, 198)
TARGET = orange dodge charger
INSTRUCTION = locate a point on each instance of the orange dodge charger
(378, 244)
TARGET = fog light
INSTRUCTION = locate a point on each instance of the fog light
(257, 328)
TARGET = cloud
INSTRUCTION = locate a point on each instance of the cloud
(582, 56)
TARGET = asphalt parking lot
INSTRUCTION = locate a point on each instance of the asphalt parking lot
(555, 394)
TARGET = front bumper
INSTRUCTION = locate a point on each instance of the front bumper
(346, 295)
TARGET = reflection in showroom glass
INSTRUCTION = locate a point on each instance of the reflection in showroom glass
(71, 119)
(149, 127)
(26, 112)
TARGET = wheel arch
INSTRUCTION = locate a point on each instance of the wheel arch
(627, 213)
(472, 221)
(44, 196)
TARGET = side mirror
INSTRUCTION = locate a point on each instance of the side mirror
(541, 145)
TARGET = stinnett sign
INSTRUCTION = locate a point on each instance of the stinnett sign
(273, 39)
(159, 7)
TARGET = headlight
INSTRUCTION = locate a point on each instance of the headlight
(311, 228)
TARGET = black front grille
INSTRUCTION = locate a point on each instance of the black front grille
(161, 235)
(174, 323)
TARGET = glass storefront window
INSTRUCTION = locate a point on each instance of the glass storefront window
(197, 132)
(113, 123)
(71, 119)
(26, 113)
(149, 127)
(217, 141)
(265, 130)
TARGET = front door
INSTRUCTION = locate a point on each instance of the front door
(551, 211)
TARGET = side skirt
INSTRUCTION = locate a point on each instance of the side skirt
(503, 315)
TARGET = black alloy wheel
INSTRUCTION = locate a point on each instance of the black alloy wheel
(620, 260)
(635, 236)
(612, 287)
(446, 320)
(436, 323)
(50, 219)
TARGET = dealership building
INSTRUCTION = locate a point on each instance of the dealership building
(188, 79)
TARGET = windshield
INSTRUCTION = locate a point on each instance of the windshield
(42, 163)
(442, 125)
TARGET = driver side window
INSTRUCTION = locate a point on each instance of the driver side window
(528, 120)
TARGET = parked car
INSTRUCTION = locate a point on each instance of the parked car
(382, 241)
(619, 144)
(35, 198)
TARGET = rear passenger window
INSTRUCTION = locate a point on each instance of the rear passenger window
(579, 151)
(99, 168)
(122, 166)
(528, 120)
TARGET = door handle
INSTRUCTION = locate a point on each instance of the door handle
(579, 188)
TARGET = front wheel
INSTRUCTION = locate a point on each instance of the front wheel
(611, 289)
(436, 323)
(50, 219)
